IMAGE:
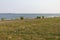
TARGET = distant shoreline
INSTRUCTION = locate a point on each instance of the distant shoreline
(13, 16)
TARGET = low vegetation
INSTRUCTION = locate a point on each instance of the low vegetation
(38, 17)
(21, 18)
(2, 19)
(30, 29)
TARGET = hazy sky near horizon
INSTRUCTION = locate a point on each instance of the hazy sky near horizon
(29, 6)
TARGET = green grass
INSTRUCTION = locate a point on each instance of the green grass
(30, 29)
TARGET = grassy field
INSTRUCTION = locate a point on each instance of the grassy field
(30, 29)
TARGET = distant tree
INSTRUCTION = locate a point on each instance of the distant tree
(21, 18)
(38, 17)
(2, 19)
(42, 17)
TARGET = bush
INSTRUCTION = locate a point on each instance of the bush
(21, 18)
(38, 17)
(42, 17)
(2, 19)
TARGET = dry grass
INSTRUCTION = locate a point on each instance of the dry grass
(33, 29)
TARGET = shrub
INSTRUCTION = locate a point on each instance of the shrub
(2, 19)
(21, 18)
(38, 17)
(42, 17)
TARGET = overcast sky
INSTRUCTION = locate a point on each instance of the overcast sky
(29, 6)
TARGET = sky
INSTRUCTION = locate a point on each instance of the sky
(29, 6)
